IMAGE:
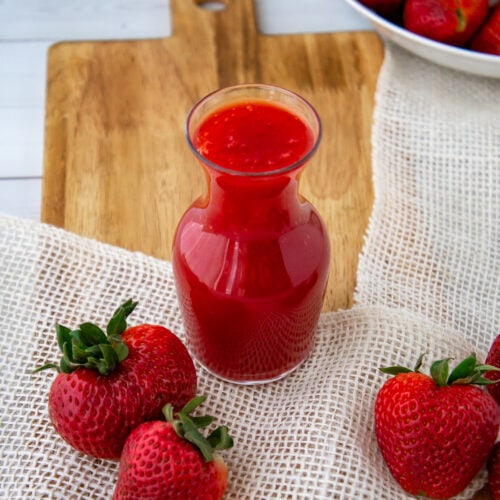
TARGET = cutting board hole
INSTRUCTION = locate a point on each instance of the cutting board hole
(213, 5)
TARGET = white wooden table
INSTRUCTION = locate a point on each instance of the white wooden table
(29, 27)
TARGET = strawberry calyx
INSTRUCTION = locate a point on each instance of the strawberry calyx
(187, 427)
(89, 346)
(468, 371)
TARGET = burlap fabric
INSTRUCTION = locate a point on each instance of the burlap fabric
(428, 281)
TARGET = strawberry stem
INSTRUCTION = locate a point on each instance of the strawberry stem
(187, 427)
(89, 347)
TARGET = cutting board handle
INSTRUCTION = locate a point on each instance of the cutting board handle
(231, 33)
(196, 11)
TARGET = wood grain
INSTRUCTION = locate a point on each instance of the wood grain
(116, 165)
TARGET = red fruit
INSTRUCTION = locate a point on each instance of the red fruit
(493, 359)
(448, 21)
(494, 473)
(435, 433)
(386, 8)
(487, 38)
(171, 459)
(109, 384)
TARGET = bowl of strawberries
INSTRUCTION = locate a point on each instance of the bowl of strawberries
(460, 34)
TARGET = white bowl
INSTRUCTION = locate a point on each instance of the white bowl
(456, 58)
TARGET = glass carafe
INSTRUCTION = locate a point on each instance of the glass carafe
(251, 256)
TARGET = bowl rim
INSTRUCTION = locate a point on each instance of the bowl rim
(432, 44)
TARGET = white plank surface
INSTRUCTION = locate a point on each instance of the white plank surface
(21, 142)
(79, 20)
(29, 27)
(22, 70)
(22, 100)
(21, 197)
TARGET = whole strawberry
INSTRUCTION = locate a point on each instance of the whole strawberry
(487, 39)
(108, 383)
(436, 432)
(448, 21)
(172, 459)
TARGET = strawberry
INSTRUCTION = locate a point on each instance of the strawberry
(487, 39)
(448, 21)
(172, 459)
(493, 359)
(109, 383)
(436, 432)
(494, 472)
(390, 9)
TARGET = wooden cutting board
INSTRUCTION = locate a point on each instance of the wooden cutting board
(117, 167)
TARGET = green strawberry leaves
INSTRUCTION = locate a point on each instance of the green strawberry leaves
(187, 427)
(118, 323)
(394, 370)
(90, 347)
(468, 371)
(463, 370)
(439, 371)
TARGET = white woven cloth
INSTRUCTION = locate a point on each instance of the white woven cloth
(428, 281)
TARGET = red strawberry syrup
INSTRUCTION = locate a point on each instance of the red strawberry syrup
(251, 257)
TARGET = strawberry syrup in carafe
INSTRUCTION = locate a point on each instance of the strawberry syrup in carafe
(251, 256)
